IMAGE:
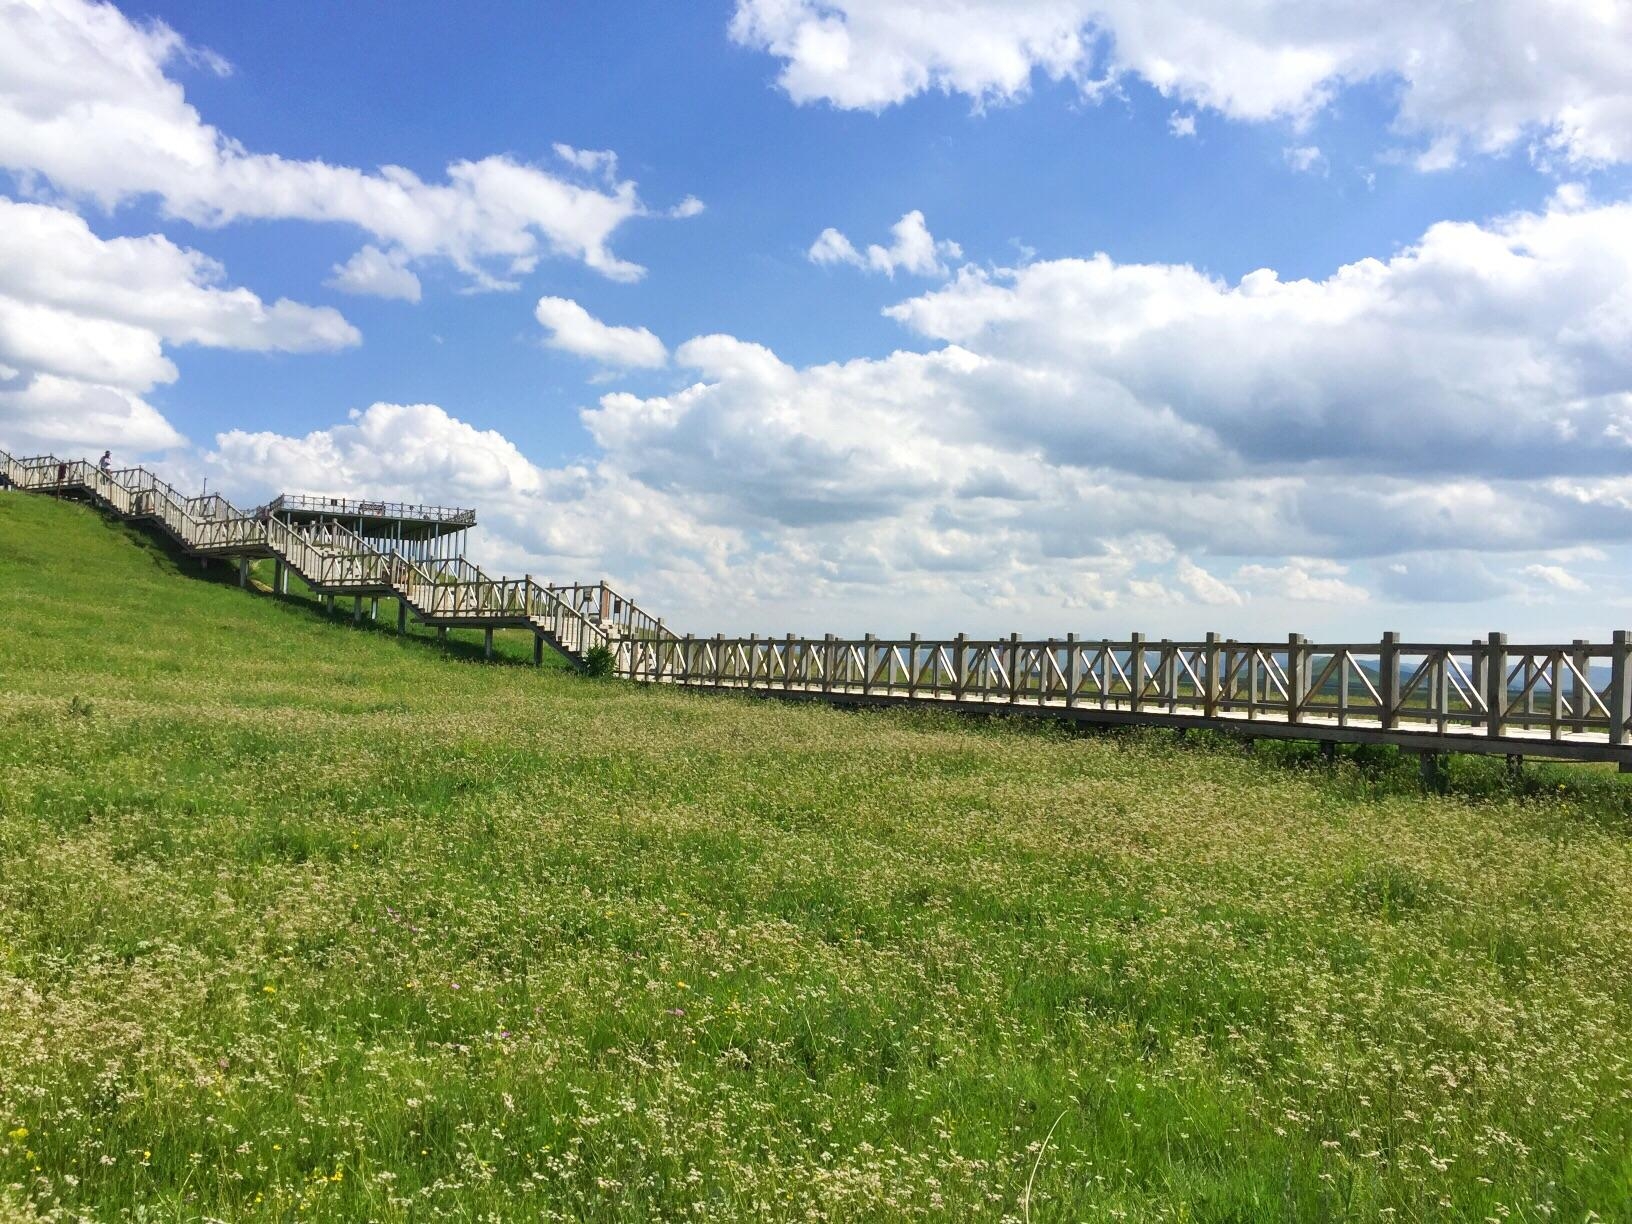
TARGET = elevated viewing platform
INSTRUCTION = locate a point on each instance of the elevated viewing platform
(417, 522)
(417, 531)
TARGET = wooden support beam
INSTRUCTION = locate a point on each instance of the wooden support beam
(402, 616)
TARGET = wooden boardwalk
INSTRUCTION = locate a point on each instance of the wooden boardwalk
(1569, 700)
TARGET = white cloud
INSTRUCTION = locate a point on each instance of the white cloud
(86, 103)
(1204, 586)
(1492, 75)
(912, 249)
(85, 321)
(1303, 579)
(79, 418)
(376, 273)
(51, 259)
(574, 330)
(1557, 577)
(1305, 159)
(1181, 124)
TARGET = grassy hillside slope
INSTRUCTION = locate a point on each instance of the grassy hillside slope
(302, 920)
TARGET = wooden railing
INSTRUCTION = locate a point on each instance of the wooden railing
(1489, 695)
(616, 613)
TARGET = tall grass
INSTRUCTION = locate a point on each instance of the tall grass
(302, 921)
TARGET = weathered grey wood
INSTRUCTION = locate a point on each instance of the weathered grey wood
(1495, 667)
(1620, 687)
(1388, 674)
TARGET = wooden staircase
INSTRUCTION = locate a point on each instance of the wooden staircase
(333, 560)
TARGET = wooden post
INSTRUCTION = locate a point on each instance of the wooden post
(753, 657)
(1136, 671)
(1620, 687)
(719, 658)
(912, 666)
(538, 649)
(1014, 667)
(867, 663)
(487, 642)
(1388, 679)
(1297, 676)
(688, 658)
(356, 609)
(1073, 670)
(960, 666)
(827, 663)
(787, 664)
(402, 616)
(243, 571)
(1495, 683)
(442, 633)
(1211, 678)
(1583, 702)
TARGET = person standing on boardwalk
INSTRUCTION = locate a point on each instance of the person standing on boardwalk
(106, 462)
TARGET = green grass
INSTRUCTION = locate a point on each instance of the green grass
(303, 920)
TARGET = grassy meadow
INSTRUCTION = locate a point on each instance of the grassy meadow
(304, 921)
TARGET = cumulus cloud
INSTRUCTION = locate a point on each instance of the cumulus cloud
(87, 104)
(1498, 350)
(572, 329)
(85, 321)
(1488, 76)
(912, 249)
(47, 412)
(376, 273)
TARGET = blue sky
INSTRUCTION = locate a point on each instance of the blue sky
(1238, 458)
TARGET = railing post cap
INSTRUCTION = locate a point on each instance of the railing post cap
(1392, 637)
(1622, 636)
(1498, 639)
